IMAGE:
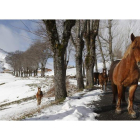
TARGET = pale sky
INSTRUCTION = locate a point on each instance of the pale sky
(13, 35)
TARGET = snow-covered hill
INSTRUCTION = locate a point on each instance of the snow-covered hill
(3, 63)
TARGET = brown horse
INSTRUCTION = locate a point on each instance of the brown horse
(39, 96)
(114, 87)
(126, 74)
(103, 78)
(96, 77)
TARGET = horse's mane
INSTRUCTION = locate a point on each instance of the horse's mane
(127, 52)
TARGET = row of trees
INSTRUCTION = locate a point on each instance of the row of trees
(27, 63)
(86, 37)
(82, 33)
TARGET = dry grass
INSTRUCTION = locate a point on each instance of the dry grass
(71, 89)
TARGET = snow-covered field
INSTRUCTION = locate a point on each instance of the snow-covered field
(77, 107)
(15, 89)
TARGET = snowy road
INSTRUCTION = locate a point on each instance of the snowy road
(106, 110)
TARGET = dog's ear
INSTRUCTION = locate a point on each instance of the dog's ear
(132, 37)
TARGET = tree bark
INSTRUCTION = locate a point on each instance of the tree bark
(59, 77)
(19, 73)
(89, 65)
(79, 75)
(42, 70)
(101, 51)
(59, 48)
(83, 69)
(96, 66)
(34, 73)
(110, 41)
(79, 45)
(14, 73)
(90, 35)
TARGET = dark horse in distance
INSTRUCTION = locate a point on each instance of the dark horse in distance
(125, 73)
(103, 78)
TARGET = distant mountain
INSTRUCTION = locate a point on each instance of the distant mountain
(3, 64)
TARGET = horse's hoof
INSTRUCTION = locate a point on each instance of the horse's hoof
(118, 111)
(133, 116)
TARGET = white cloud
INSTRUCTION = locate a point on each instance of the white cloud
(10, 40)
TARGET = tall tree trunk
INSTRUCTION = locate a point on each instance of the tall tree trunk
(19, 73)
(110, 40)
(34, 73)
(14, 73)
(90, 35)
(42, 70)
(59, 77)
(27, 72)
(89, 64)
(79, 75)
(59, 48)
(96, 66)
(79, 45)
(83, 69)
(101, 51)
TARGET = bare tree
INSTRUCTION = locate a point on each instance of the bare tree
(15, 60)
(89, 36)
(101, 51)
(78, 43)
(59, 47)
(96, 63)
(107, 36)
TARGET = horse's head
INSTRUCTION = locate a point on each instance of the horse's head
(104, 72)
(136, 46)
(39, 88)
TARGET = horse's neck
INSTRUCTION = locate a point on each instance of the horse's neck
(104, 74)
(131, 62)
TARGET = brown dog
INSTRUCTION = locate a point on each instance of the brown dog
(39, 96)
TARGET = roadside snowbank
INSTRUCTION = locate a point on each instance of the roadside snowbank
(75, 108)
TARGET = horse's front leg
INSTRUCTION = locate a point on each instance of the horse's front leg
(123, 95)
(101, 86)
(120, 92)
(105, 83)
(130, 101)
(115, 92)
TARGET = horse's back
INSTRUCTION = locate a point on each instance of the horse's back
(113, 65)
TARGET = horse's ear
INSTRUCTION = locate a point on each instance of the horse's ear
(132, 37)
